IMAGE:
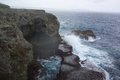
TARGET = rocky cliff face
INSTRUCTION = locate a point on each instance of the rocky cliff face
(15, 53)
(4, 6)
(25, 34)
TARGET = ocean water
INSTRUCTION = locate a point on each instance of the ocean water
(104, 52)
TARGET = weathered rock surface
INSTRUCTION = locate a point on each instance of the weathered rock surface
(19, 28)
(38, 27)
(15, 53)
(84, 34)
(35, 69)
(71, 69)
(85, 74)
(72, 60)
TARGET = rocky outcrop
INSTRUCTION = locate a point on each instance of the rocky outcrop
(71, 67)
(34, 70)
(15, 53)
(25, 35)
(84, 34)
(85, 74)
(38, 27)
(4, 6)
(28, 39)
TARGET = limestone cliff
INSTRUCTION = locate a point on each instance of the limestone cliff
(25, 34)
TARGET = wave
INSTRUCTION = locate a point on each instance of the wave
(95, 58)
(91, 39)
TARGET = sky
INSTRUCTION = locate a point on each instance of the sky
(68, 5)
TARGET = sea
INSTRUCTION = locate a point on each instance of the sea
(102, 52)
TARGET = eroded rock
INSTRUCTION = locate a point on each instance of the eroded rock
(15, 53)
(18, 27)
(85, 74)
(84, 34)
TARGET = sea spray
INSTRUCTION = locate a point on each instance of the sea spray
(96, 57)
(91, 39)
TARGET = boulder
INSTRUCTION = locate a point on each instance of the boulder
(67, 68)
(61, 53)
(70, 63)
(84, 34)
(81, 74)
(76, 32)
(88, 33)
(72, 60)
(65, 48)
(85, 74)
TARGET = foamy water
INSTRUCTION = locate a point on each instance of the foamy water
(105, 50)
(91, 39)
(94, 57)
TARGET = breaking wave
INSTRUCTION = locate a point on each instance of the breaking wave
(95, 58)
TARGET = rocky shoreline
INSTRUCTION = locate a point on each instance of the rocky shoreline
(31, 48)
(71, 66)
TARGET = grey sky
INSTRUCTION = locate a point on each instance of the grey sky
(75, 5)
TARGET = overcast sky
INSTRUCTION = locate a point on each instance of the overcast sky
(75, 5)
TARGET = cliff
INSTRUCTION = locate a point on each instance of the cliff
(4, 6)
(25, 35)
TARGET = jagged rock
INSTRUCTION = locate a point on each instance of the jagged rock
(88, 33)
(38, 27)
(84, 34)
(71, 69)
(15, 53)
(81, 74)
(85, 74)
(18, 25)
(67, 68)
(72, 60)
(34, 70)
(61, 53)
(65, 48)
(69, 60)
(76, 32)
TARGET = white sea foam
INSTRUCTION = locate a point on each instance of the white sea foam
(91, 39)
(95, 56)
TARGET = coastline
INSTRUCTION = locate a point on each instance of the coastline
(29, 37)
